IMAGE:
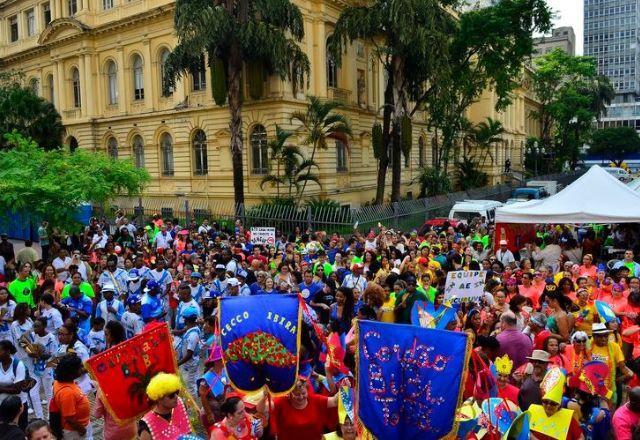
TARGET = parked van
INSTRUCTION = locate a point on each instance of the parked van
(528, 193)
(468, 209)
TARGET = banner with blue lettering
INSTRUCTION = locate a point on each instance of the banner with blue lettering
(260, 338)
(410, 379)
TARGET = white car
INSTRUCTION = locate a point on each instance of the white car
(468, 209)
(619, 173)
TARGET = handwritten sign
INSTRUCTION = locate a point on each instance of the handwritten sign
(263, 236)
(409, 379)
(124, 371)
(463, 285)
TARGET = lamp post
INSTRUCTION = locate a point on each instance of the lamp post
(535, 150)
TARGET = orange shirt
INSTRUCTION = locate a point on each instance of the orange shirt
(627, 322)
(618, 304)
(532, 292)
(71, 402)
(590, 272)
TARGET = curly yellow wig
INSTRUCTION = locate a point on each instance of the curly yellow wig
(163, 384)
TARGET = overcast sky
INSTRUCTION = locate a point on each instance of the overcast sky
(569, 13)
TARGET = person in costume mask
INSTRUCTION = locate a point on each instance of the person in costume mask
(346, 416)
(504, 365)
(168, 418)
(550, 421)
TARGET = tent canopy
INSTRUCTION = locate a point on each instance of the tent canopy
(595, 197)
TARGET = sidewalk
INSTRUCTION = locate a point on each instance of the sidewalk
(19, 244)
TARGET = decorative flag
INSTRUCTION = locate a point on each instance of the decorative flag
(335, 354)
(605, 312)
(519, 429)
(423, 314)
(500, 413)
(124, 371)
(260, 338)
(410, 380)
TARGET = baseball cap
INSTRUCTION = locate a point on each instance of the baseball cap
(196, 275)
(242, 273)
(220, 267)
(133, 299)
(233, 282)
(503, 242)
(108, 288)
(190, 312)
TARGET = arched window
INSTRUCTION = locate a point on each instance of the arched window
(166, 151)
(259, 150)
(342, 158)
(73, 144)
(421, 152)
(138, 81)
(199, 76)
(332, 70)
(164, 56)
(75, 82)
(138, 151)
(51, 89)
(34, 85)
(112, 148)
(200, 153)
(112, 82)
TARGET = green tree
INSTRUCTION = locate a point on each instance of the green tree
(615, 143)
(485, 135)
(319, 123)
(237, 33)
(571, 96)
(440, 60)
(24, 111)
(410, 40)
(291, 169)
(487, 51)
(53, 184)
(468, 175)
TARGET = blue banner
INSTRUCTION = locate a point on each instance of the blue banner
(409, 379)
(260, 338)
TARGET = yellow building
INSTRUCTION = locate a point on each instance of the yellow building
(518, 124)
(100, 63)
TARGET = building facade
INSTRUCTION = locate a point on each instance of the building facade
(101, 63)
(561, 38)
(611, 37)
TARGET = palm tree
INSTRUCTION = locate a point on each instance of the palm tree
(235, 33)
(485, 135)
(294, 166)
(603, 93)
(319, 123)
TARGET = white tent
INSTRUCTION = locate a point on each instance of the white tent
(595, 197)
(634, 185)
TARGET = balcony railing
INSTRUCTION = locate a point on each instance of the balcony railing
(342, 95)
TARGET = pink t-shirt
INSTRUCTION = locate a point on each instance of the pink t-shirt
(624, 421)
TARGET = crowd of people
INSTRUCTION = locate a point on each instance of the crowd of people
(555, 333)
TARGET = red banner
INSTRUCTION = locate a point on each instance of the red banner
(516, 234)
(123, 371)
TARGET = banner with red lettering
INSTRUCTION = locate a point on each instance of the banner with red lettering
(260, 338)
(123, 371)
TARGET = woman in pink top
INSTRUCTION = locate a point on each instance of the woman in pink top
(588, 269)
(528, 290)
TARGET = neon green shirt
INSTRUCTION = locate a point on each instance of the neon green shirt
(22, 291)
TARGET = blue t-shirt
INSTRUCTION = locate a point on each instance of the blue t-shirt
(83, 303)
(152, 307)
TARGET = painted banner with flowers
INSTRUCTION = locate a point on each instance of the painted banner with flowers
(124, 371)
(410, 379)
(260, 337)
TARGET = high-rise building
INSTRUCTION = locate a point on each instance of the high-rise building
(562, 37)
(610, 36)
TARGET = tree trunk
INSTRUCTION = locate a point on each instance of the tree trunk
(398, 100)
(235, 125)
(383, 163)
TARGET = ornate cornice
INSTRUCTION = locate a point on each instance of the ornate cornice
(47, 39)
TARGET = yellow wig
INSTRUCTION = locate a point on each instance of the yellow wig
(163, 384)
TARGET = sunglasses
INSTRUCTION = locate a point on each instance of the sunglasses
(580, 341)
(550, 403)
